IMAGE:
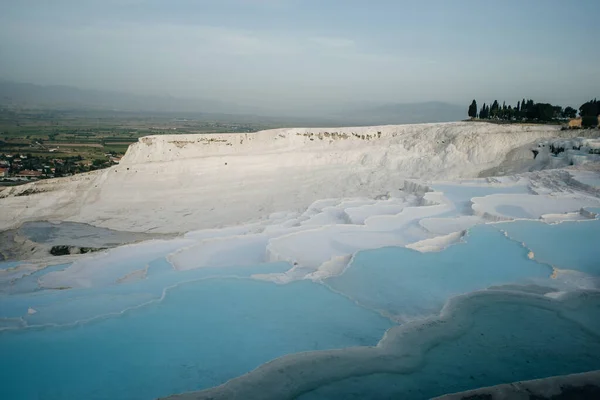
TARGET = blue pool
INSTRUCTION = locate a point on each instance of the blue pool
(201, 335)
(169, 331)
(505, 343)
(568, 245)
(406, 283)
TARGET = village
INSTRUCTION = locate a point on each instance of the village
(21, 168)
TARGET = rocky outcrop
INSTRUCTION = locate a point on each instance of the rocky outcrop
(575, 386)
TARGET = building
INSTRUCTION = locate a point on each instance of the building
(3, 172)
(575, 123)
(84, 163)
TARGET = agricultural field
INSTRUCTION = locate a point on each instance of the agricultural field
(51, 143)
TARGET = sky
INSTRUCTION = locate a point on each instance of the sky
(301, 53)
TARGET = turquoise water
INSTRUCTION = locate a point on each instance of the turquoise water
(593, 209)
(176, 331)
(506, 343)
(201, 335)
(29, 283)
(461, 195)
(568, 245)
(589, 179)
(9, 264)
(408, 283)
(60, 307)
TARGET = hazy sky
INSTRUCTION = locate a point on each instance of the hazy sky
(296, 52)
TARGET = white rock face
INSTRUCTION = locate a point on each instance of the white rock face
(179, 183)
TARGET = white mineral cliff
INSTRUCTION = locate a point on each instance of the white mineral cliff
(177, 183)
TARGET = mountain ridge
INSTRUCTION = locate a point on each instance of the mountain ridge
(32, 96)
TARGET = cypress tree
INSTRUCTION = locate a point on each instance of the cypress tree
(473, 109)
(494, 109)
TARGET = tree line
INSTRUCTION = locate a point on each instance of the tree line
(528, 110)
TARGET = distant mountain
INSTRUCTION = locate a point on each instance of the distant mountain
(27, 95)
(37, 96)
